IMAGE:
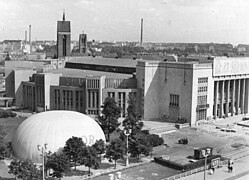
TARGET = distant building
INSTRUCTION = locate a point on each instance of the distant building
(63, 38)
(83, 43)
(12, 45)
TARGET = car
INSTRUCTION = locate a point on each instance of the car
(245, 118)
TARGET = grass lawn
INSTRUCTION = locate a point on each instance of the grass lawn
(149, 171)
(10, 125)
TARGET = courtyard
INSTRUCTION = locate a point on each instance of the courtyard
(206, 134)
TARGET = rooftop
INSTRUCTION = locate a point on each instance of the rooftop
(105, 61)
(66, 72)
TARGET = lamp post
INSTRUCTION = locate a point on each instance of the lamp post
(127, 133)
(42, 149)
(205, 153)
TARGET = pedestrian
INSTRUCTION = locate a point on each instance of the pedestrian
(213, 169)
(230, 168)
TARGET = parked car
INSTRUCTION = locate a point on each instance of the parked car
(245, 118)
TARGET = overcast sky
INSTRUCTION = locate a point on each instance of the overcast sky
(222, 21)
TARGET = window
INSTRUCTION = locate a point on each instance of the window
(202, 80)
(202, 114)
(202, 89)
(174, 100)
(202, 100)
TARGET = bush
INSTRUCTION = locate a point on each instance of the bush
(155, 140)
(145, 131)
(168, 163)
(6, 113)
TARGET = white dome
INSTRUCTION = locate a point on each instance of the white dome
(53, 128)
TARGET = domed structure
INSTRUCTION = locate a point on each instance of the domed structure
(53, 128)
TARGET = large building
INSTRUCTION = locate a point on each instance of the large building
(164, 90)
(193, 91)
(82, 89)
(18, 71)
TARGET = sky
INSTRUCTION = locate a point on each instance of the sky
(185, 21)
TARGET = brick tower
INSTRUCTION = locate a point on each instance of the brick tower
(83, 43)
(63, 38)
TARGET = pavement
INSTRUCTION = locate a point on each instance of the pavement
(240, 171)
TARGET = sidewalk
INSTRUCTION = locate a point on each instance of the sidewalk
(240, 171)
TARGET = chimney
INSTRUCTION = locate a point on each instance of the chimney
(25, 37)
(30, 38)
(141, 38)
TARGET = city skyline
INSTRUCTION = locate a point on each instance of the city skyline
(186, 21)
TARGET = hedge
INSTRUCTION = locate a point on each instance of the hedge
(185, 167)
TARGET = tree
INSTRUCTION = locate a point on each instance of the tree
(115, 150)
(91, 158)
(74, 149)
(139, 145)
(5, 147)
(14, 168)
(109, 119)
(99, 146)
(133, 118)
(25, 170)
(59, 163)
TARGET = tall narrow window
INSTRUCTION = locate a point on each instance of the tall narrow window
(64, 45)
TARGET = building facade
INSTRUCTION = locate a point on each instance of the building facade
(85, 95)
(193, 91)
(189, 91)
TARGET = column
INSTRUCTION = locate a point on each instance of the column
(216, 88)
(246, 95)
(91, 99)
(121, 103)
(242, 96)
(228, 97)
(74, 100)
(233, 96)
(237, 95)
(221, 98)
(66, 107)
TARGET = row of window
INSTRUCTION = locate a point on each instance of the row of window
(93, 112)
(67, 99)
(202, 89)
(202, 80)
(93, 83)
(174, 100)
(93, 99)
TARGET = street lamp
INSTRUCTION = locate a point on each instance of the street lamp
(127, 133)
(205, 153)
(42, 149)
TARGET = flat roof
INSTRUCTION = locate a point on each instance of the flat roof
(105, 61)
(81, 73)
